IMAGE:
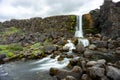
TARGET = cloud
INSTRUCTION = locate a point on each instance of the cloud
(18, 9)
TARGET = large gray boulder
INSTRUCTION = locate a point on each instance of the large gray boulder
(113, 73)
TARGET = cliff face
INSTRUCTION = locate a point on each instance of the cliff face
(107, 19)
(110, 19)
(38, 29)
(38, 24)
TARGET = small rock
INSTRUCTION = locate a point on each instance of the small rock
(85, 77)
(5, 59)
(65, 48)
(50, 48)
(2, 56)
(92, 47)
(102, 44)
(61, 58)
(69, 78)
(105, 38)
(110, 46)
(102, 61)
(104, 78)
(98, 35)
(91, 63)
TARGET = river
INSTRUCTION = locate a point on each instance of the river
(31, 69)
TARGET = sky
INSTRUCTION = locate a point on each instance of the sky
(22, 9)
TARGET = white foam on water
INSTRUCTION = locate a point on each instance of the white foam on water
(51, 63)
(70, 45)
(42, 60)
(1, 66)
(84, 41)
(4, 74)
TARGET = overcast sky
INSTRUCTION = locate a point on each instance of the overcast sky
(21, 9)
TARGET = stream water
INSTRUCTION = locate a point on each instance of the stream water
(30, 70)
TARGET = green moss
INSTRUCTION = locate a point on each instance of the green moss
(10, 54)
(73, 17)
(47, 42)
(15, 47)
(11, 30)
(36, 46)
(10, 49)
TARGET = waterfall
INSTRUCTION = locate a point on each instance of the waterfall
(47, 63)
(79, 35)
(79, 32)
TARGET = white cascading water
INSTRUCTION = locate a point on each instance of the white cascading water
(47, 63)
(70, 46)
(79, 32)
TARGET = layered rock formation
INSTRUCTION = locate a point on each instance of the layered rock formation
(59, 23)
(106, 19)
(38, 29)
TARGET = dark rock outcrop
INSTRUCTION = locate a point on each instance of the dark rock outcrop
(49, 24)
(106, 19)
(59, 74)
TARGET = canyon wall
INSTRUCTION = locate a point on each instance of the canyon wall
(105, 20)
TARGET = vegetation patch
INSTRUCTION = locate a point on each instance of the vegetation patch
(73, 17)
(11, 30)
(10, 49)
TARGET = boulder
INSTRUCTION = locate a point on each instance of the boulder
(79, 48)
(59, 74)
(2, 56)
(113, 73)
(50, 48)
(88, 53)
(92, 47)
(91, 63)
(96, 72)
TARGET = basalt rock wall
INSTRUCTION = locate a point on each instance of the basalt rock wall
(105, 20)
(38, 29)
(59, 23)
